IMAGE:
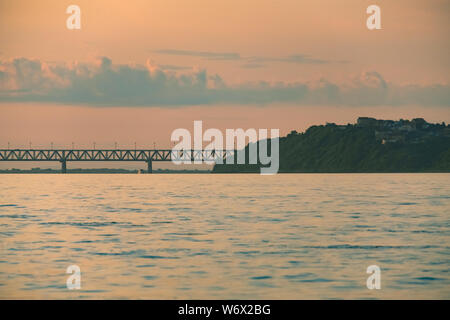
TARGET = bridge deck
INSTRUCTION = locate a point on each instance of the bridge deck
(149, 155)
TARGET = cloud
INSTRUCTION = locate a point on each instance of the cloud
(251, 65)
(203, 54)
(173, 67)
(104, 83)
(251, 62)
(297, 58)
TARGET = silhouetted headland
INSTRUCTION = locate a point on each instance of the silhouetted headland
(370, 145)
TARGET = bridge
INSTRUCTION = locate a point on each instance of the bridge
(148, 156)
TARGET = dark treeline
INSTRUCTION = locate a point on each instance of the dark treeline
(369, 146)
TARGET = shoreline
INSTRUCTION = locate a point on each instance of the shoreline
(222, 173)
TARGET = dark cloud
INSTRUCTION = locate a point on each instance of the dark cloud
(104, 83)
(251, 62)
(297, 58)
(252, 65)
(173, 67)
(203, 54)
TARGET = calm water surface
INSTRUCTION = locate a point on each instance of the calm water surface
(225, 236)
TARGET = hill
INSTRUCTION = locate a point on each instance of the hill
(370, 145)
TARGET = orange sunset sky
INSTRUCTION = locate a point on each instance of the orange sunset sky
(139, 69)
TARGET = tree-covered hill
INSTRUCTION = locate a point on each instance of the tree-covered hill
(361, 148)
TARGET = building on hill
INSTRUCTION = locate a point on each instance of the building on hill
(366, 122)
(419, 123)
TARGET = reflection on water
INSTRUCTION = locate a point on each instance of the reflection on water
(225, 236)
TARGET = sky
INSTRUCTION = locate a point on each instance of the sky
(139, 69)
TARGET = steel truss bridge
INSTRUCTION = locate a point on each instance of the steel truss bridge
(148, 156)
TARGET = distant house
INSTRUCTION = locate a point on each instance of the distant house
(393, 139)
(418, 123)
(406, 127)
(387, 123)
(366, 122)
(381, 135)
(416, 130)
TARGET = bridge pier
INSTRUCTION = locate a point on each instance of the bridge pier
(149, 166)
(63, 166)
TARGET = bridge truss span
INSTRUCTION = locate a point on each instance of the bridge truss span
(150, 155)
